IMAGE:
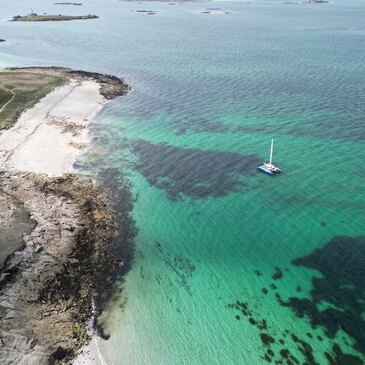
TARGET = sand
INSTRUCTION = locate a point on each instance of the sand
(90, 355)
(48, 137)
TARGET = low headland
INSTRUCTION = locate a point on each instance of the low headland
(58, 228)
(34, 17)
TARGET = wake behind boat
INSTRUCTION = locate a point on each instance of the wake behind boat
(269, 168)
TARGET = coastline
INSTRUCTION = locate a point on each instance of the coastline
(50, 286)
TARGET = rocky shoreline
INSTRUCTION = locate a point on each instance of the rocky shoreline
(47, 288)
(110, 86)
(63, 275)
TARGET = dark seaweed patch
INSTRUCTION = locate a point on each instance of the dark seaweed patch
(262, 325)
(181, 266)
(266, 339)
(342, 285)
(252, 321)
(192, 172)
(122, 204)
(306, 349)
(202, 125)
(284, 353)
(302, 348)
(337, 357)
(340, 291)
(158, 246)
(278, 297)
(270, 352)
(278, 274)
(241, 306)
(267, 358)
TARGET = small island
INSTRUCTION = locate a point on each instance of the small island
(34, 17)
(68, 3)
(2, 40)
(149, 12)
(215, 12)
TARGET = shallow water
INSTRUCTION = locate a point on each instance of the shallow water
(209, 92)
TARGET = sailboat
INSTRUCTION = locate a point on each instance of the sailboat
(269, 168)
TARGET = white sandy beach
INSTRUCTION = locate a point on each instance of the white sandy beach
(48, 137)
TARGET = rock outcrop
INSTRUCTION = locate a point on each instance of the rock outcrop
(46, 289)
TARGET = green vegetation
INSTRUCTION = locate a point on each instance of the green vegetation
(5, 96)
(79, 332)
(23, 90)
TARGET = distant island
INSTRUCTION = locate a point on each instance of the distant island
(68, 3)
(2, 40)
(215, 11)
(34, 17)
(149, 12)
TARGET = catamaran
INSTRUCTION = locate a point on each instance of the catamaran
(269, 168)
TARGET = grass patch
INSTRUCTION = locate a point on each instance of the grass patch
(28, 88)
(80, 333)
(5, 96)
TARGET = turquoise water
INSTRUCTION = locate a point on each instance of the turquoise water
(209, 93)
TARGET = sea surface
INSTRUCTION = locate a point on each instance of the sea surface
(231, 266)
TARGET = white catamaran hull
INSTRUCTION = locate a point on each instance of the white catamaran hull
(269, 168)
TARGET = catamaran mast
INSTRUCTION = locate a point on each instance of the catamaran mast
(272, 147)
